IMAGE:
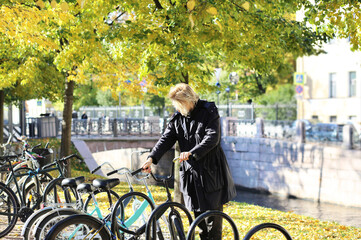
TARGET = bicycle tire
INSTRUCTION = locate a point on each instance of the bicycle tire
(10, 182)
(56, 194)
(8, 205)
(83, 222)
(89, 199)
(203, 216)
(177, 228)
(33, 195)
(50, 219)
(262, 226)
(152, 232)
(29, 225)
(118, 214)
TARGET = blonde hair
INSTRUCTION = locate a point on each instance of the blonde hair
(180, 94)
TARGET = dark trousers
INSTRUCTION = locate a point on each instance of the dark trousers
(211, 227)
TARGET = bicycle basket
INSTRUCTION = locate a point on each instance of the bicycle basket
(46, 155)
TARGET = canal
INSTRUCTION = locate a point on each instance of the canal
(348, 216)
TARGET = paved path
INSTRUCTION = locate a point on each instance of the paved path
(15, 234)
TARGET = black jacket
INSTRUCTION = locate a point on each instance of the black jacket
(206, 181)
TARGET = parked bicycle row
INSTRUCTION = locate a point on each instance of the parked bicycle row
(69, 208)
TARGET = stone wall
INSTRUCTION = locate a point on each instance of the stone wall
(308, 171)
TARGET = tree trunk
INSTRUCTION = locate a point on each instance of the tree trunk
(2, 100)
(66, 123)
(185, 77)
(178, 197)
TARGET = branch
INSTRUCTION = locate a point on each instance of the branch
(157, 4)
(238, 6)
(171, 3)
(186, 77)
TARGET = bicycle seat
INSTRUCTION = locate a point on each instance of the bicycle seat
(106, 184)
(85, 188)
(72, 182)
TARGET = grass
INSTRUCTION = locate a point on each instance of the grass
(247, 216)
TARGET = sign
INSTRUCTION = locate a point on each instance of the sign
(299, 78)
(299, 89)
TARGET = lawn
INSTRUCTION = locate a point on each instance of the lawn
(247, 216)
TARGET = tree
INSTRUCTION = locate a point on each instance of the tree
(72, 30)
(338, 18)
(25, 73)
(183, 41)
(282, 95)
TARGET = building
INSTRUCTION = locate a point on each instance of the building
(332, 88)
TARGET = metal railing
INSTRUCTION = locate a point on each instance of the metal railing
(116, 127)
(154, 126)
(287, 130)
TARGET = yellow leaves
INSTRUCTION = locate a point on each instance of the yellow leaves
(212, 11)
(218, 24)
(81, 3)
(191, 4)
(246, 6)
(191, 20)
(64, 6)
(40, 3)
(53, 4)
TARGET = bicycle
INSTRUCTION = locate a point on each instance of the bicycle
(173, 228)
(98, 186)
(30, 226)
(267, 231)
(90, 227)
(33, 179)
(211, 213)
(95, 190)
(13, 206)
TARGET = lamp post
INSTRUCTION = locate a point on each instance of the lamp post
(227, 91)
(217, 73)
(218, 85)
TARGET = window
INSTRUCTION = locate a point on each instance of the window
(332, 85)
(352, 84)
(314, 117)
(333, 119)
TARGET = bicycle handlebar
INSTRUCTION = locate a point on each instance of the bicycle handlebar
(61, 160)
(95, 169)
(136, 171)
(124, 169)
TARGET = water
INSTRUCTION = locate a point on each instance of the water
(348, 216)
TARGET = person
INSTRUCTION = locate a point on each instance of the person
(206, 182)
(74, 114)
(84, 116)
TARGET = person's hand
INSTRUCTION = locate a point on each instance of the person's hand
(147, 165)
(184, 156)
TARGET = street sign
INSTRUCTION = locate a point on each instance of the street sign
(299, 89)
(299, 78)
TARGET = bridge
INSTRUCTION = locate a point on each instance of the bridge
(263, 155)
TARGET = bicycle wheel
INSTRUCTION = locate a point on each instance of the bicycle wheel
(57, 195)
(130, 215)
(267, 231)
(170, 220)
(50, 219)
(213, 213)
(10, 181)
(104, 202)
(28, 230)
(8, 210)
(34, 189)
(78, 227)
